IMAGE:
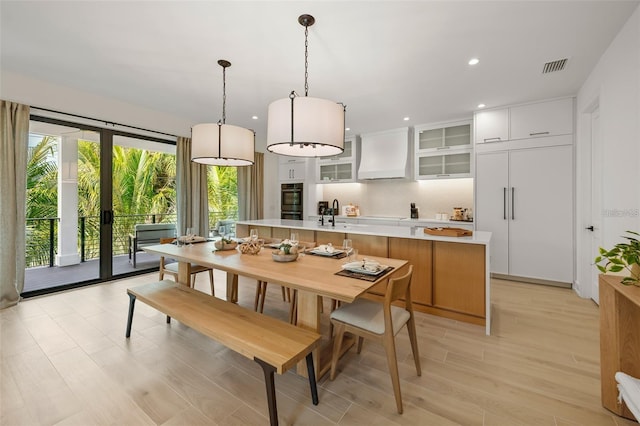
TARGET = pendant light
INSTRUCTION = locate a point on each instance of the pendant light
(221, 144)
(304, 126)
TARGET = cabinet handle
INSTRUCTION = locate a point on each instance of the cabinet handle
(498, 139)
(444, 147)
(504, 203)
(538, 133)
(513, 203)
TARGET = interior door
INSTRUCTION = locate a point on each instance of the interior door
(596, 202)
(541, 213)
(492, 184)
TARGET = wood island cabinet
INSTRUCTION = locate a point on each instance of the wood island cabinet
(419, 254)
(458, 278)
(449, 278)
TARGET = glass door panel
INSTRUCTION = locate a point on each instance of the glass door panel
(63, 208)
(143, 192)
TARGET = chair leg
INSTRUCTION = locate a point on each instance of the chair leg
(293, 308)
(337, 345)
(334, 304)
(256, 301)
(411, 327)
(392, 362)
(263, 295)
(213, 289)
(360, 340)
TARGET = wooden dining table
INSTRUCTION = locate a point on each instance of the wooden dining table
(313, 276)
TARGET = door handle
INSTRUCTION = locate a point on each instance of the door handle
(590, 228)
(107, 217)
(504, 203)
(513, 202)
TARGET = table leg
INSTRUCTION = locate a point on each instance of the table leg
(309, 318)
(184, 273)
(232, 287)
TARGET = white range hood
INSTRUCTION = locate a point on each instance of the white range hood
(385, 155)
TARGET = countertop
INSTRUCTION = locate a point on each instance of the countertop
(399, 231)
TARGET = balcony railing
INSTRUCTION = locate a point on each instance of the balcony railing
(42, 235)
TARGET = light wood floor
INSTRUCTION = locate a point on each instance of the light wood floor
(65, 361)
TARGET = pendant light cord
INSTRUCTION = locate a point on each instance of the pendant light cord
(224, 94)
(306, 60)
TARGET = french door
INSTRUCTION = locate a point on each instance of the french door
(83, 200)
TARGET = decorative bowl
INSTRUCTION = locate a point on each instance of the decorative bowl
(251, 246)
(284, 257)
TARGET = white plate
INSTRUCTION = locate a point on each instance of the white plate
(357, 267)
(322, 252)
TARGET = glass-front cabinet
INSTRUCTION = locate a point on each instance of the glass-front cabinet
(443, 150)
(339, 168)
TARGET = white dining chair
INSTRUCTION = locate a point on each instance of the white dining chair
(172, 269)
(381, 322)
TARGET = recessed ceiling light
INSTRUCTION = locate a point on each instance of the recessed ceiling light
(473, 61)
(255, 117)
(347, 128)
(481, 105)
(406, 119)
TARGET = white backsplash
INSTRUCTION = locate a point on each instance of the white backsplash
(394, 198)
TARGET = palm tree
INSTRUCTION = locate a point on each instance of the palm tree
(222, 185)
(42, 199)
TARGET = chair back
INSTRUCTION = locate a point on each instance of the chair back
(398, 288)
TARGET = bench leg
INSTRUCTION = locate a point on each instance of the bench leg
(271, 390)
(132, 303)
(312, 378)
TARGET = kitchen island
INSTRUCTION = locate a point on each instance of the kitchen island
(450, 276)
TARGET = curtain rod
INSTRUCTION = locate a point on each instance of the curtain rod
(104, 121)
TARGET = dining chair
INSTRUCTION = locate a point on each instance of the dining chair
(379, 321)
(261, 288)
(172, 269)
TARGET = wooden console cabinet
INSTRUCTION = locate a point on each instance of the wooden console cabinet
(619, 338)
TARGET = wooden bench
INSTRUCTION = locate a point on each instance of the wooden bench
(147, 234)
(275, 345)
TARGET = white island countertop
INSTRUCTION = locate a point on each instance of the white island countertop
(415, 232)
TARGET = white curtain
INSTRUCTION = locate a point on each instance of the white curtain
(251, 189)
(191, 191)
(14, 139)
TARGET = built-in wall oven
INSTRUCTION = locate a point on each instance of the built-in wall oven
(291, 201)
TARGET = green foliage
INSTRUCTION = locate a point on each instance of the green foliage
(622, 256)
(222, 183)
(144, 185)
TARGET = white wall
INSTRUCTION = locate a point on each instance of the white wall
(614, 85)
(38, 93)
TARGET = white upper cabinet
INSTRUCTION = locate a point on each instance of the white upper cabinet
(443, 136)
(491, 126)
(550, 118)
(540, 119)
(292, 169)
(339, 168)
(443, 150)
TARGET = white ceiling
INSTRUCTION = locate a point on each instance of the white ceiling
(384, 59)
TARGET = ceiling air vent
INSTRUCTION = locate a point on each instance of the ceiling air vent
(554, 66)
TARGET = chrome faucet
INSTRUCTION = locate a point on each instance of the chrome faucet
(334, 206)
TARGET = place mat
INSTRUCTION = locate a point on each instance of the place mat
(338, 255)
(361, 276)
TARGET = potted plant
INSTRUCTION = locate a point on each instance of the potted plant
(622, 256)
